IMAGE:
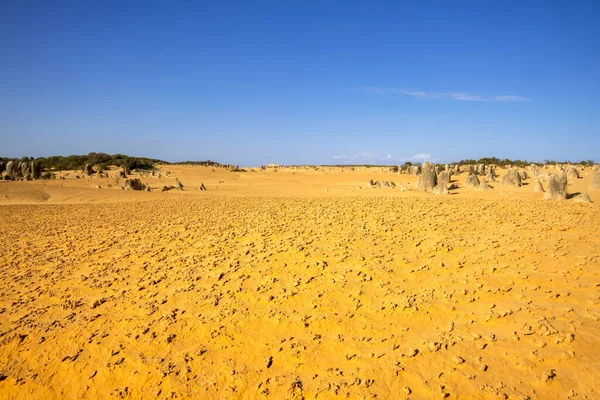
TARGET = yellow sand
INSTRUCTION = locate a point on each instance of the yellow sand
(296, 285)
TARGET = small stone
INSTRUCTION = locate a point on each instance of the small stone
(548, 375)
(582, 198)
(458, 360)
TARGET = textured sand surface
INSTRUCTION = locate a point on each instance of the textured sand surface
(268, 286)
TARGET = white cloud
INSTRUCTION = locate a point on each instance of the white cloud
(420, 156)
(360, 157)
(371, 158)
(459, 96)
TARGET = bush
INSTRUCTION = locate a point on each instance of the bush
(98, 158)
(77, 162)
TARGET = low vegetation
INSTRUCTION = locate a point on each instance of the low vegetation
(102, 160)
(519, 163)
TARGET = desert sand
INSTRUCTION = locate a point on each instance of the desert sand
(296, 284)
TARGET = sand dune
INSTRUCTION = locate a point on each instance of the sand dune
(268, 286)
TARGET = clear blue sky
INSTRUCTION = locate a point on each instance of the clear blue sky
(301, 82)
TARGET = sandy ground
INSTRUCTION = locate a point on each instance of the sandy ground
(296, 285)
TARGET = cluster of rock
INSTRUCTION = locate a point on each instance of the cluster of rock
(556, 184)
(136, 184)
(178, 185)
(410, 169)
(375, 184)
(21, 170)
(433, 182)
(211, 164)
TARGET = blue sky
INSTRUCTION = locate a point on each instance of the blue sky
(301, 82)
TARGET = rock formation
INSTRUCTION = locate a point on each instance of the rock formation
(428, 179)
(414, 170)
(9, 169)
(135, 184)
(36, 170)
(441, 188)
(444, 177)
(178, 184)
(491, 175)
(472, 181)
(534, 169)
(24, 168)
(484, 187)
(523, 175)
(537, 186)
(87, 170)
(511, 178)
(595, 182)
(582, 198)
(572, 173)
(557, 187)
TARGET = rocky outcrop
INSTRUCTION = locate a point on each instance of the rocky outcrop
(428, 178)
(512, 178)
(484, 187)
(472, 181)
(87, 170)
(36, 170)
(582, 198)
(10, 166)
(595, 182)
(572, 173)
(444, 177)
(135, 184)
(557, 187)
(537, 186)
(24, 169)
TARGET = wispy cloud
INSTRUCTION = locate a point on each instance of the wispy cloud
(365, 157)
(372, 158)
(418, 157)
(459, 96)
